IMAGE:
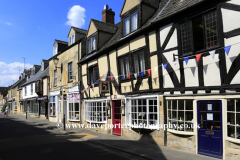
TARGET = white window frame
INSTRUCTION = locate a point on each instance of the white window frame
(73, 111)
(15, 105)
(177, 111)
(55, 77)
(128, 111)
(51, 104)
(92, 44)
(86, 111)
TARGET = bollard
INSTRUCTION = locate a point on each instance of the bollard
(26, 114)
(64, 122)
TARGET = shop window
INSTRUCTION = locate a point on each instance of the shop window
(180, 115)
(74, 112)
(15, 105)
(143, 113)
(95, 111)
(42, 107)
(199, 33)
(233, 118)
(52, 104)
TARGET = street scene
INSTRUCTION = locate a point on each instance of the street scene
(126, 79)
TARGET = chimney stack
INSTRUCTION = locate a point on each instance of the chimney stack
(108, 15)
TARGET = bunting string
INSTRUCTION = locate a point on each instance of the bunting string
(185, 58)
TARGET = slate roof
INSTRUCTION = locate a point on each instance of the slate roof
(153, 3)
(79, 30)
(166, 8)
(34, 77)
(45, 73)
(18, 83)
(63, 42)
(106, 27)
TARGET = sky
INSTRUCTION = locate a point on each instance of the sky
(28, 29)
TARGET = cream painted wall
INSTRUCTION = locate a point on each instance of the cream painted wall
(126, 87)
(123, 49)
(211, 71)
(155, 77)
(92, 29)
(84, 69)
(144, 85)
(113, 63)
(103, 65)
(152, 41)
(191, 73)
(129, 5)
(45, 85)
(92, 62)
(137, 43)
(164, 32)
(173, 42)
(167, 82)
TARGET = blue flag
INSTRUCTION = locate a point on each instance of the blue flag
(227, 49)
(142, 73)
(106, 77)
(186, 59)
(165, 65)
(96, 82)
(122, 77)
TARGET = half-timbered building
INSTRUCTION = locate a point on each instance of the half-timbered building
(169, 62)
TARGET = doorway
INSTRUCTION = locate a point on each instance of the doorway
(210, 137)
(117, 118)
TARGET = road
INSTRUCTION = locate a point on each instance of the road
(21, 140)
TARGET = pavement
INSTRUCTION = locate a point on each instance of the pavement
(116, 144)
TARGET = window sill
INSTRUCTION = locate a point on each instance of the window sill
(52, 116)
(233, 140)
(70, 81)
(96, 122)
(181, 132)
(92, 51)
(71, 120)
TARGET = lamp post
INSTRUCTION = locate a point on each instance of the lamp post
(55, 61)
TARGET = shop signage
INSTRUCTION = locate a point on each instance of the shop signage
(104, 87)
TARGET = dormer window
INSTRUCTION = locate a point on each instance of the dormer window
(42, 67)
(71, 39)
(91, 44)
(130, 23)
(55, 49)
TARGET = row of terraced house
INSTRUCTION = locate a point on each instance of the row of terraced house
(167, 62)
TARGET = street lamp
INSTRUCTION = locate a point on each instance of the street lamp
(55, 61)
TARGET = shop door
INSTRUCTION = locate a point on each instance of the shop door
(117, 118)
(210, 139)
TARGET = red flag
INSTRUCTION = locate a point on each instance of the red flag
(111, 78)
(100, 79)
(129, 76)
(89, 87)
(149, 72)
(198, 56)
(81, 92)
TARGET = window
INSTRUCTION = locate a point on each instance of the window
(15, 105)
(133, 21)
(52, 106)
(55, 77)
(93, 75)
(139, 62)
(70, 71)
(74, 114)
(71, 39)
(233, 118)
(42, 67)
(25, 91)
(143, 113)
(124, 66)
(95, 111)
(200, 33)
(42, 108)
(180, 115)
(31, 89)
(55, 49)
(91, 44)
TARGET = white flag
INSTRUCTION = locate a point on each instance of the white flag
(175, 62)
(156, 68)
(116, 78)
(93, 85)
(135, 74)
(212, 53)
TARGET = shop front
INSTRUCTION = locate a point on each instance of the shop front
(43, 107)
(53, 106)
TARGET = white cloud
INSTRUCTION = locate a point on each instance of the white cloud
(7, 23)
(76, 16)
(10, 72)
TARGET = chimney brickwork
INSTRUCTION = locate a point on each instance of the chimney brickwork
(108, 15)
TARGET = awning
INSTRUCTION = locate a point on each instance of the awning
(42, 98)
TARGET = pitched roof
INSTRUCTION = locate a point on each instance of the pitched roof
(106, 27)
(18, 83)
(153, 3)
(45, 73)
(79, 30)
(58, 41)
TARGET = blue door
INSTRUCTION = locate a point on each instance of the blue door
(210, 140)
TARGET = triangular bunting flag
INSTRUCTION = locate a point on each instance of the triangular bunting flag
(227, 49)
(89, 87)
(149, 72)
(81, 92)
(156, 68)
(123, 77)
(205, 68)
(96, 82)
(212, 53)
(116, 78)
(92, 85)
(186, 59)
(175, 62)
(164, 66)
(86, 89)
(198, 56)
(106, 77)
(129, 76)
(217, 63)
(142, 73)
(135, 75)
(100, 79)
(193, 69)
(233, 58)
(111, 78)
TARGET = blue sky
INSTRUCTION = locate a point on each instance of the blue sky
(28, 29)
